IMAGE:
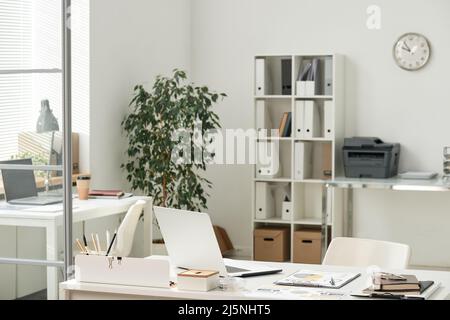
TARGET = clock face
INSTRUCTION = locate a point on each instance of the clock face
(412, 51)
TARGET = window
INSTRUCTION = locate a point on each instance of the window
(30, 68)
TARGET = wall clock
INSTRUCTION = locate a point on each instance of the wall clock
(412, 51)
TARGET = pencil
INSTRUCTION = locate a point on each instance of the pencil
(95, 244)
(80, 246)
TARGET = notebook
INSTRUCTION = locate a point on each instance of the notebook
(427, 289)
(408, 283)
(317, 279)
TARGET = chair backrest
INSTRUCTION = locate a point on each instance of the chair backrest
(127, 229)
(355, 252)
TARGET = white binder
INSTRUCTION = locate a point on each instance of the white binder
(268, 160)
(300, 119)
(262, 77)
(303, 160)
(312, 120)
(265, 206)
(328, 77)
(262, 118)
(328, 123)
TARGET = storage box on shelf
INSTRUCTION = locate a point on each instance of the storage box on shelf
(272, 244)
(311, 154)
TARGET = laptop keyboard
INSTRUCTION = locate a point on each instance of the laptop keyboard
(235, 270)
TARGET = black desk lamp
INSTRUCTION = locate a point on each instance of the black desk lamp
(47, 122)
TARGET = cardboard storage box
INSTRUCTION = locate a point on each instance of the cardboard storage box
(272, 244)
(308, 246)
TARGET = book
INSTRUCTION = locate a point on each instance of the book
(318, 279)
(408, 283)
(109, 194)
(288, 128)
(423, 288)
(283, 124)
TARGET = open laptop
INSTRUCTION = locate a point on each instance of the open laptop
(20, 186)
(192, 244)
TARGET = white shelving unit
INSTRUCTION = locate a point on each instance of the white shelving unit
(314, 205)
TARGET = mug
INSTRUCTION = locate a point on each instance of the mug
(83, 187)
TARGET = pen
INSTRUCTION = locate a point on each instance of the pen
(332, 281)
(95, 243)
(80, 246)
(111, 244)
(98, 243)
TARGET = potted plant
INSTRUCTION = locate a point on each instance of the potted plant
(164, 161)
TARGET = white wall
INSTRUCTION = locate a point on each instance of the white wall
(132, 41)
(381, 100)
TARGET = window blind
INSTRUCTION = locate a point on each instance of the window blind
(30, 38)
(15, 53)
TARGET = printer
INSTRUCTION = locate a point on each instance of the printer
(367, 157)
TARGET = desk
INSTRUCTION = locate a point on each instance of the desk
(84, 211)
(72, 290)
(395, 184)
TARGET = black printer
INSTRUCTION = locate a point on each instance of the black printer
(370, 158)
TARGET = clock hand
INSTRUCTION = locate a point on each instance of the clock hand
(407, 47)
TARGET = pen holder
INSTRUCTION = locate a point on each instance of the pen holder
(123, 271)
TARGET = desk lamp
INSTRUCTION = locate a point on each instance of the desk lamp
(47, 122)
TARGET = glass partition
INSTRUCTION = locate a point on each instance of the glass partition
(34, 114)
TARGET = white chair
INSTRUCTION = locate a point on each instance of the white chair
(355, 252)
(127, 229)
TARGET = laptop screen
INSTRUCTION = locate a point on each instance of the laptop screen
(19, 184)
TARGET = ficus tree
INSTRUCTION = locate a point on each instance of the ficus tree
(160, 160)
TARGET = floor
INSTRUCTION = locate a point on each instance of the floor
(41, 295)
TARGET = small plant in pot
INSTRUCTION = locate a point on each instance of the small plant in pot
(164, 159)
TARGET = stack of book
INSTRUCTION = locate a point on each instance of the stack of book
(108, 194)
(286, 125)
(390, 285)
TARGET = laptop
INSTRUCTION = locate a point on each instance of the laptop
(192, 244)
(20, 186)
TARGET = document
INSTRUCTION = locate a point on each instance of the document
(317, 279)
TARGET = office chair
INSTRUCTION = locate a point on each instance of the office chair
(127, 229)
(355, 252)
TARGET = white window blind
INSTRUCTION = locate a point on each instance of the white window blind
(30, 40)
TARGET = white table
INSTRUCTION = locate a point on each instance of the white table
(72, 290)
(51, 217)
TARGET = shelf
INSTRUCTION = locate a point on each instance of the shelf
(274, 220)
(273, 180)
(310, 222)
(275, 139)
(273, 97)
(315, 139)
(314, 97)
(316, 181)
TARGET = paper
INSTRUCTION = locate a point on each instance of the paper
(317, 279)
(296, 294)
